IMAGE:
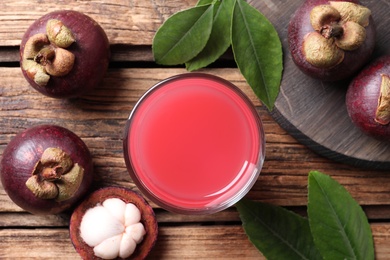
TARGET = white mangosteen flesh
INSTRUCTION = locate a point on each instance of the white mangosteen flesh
(113, 229)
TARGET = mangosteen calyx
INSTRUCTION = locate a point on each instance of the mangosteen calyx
(338, 27)
(382, 115)
(45, 55)
(55, 176)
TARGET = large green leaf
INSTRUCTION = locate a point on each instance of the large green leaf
(257, 51)
(339, 226)
(277, 232)
(205, 2)
(220, 38)
(183, 35)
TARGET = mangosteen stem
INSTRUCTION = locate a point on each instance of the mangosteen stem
(332, 30)
(45, 55)
(55, 176)
(51, 173)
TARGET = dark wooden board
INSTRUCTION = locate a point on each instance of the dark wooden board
(313, 111)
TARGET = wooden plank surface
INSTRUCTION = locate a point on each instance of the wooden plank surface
(99, 118)
(125, 22)
(190, 242)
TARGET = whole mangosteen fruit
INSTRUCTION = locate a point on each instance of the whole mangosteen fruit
(368, 99)
(113, 223)
(331, 40)
(64, 54)
(46, 169)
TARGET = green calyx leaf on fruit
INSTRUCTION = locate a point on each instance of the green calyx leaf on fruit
(45, 54)
(198, 36)
(335, 228)
(55, 176)
(382, 113)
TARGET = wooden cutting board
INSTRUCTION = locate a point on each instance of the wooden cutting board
(313, 111)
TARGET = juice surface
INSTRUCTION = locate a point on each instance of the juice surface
(194, 142)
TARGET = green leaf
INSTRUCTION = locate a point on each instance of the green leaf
(277, 232)
(183, 35)
(220, 37)
(257, 51)
(339, 226)
(204, 2)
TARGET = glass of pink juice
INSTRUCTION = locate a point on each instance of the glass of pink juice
(194, 144)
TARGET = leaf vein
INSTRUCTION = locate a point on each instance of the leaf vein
(339, 224)
(252, 44)
(284, 241)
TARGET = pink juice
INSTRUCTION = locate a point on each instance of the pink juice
(194, 144)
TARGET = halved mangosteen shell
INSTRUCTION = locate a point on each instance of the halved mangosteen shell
(148, 219)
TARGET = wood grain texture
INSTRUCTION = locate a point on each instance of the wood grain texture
(184, 242)
(130, 22)
(99, 118)
(313, 111)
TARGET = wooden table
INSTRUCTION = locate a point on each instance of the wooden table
(99, 118)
